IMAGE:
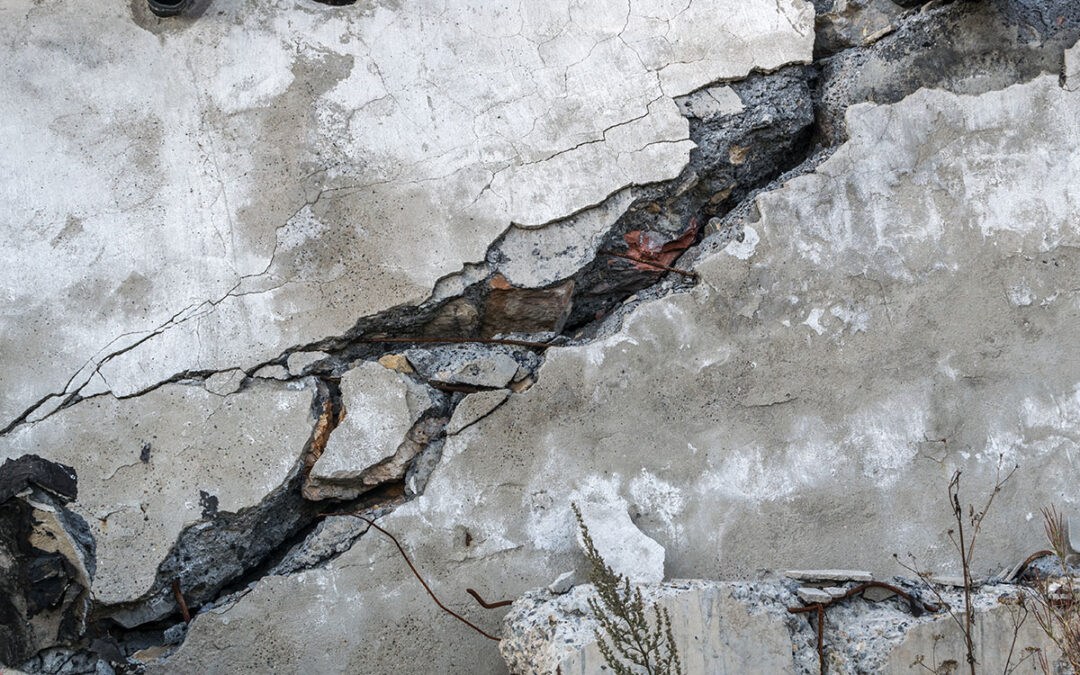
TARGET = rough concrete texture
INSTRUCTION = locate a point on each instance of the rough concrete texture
(227, 280)
(473, 407)
(214, 210)
(715, 630)
(734, 628)
(149, 467)
(758, 422)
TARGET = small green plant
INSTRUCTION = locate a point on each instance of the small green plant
(623, 616)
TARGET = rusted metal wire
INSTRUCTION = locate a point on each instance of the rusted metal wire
(820, 608)
(488, 605)
(451, 340)
(1030, 559)
(180, 600)
(686, 273)
(401, 550)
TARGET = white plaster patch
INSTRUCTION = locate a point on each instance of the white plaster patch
(745, 248)
(658, 498)
(813, 320)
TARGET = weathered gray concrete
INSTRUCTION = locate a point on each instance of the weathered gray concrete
(209, 209)
(885, 321)
(718, 630)
(150, 466)
(732, 627)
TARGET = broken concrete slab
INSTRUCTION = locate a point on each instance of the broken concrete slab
(476, 365)
(762, 414)
(380, 407)
(716, 629)
(151, 466)
(813, 596)
(368, 155)
(829, 575)
(998, 639)
(299, 362)
(225, 382)
(473, 407)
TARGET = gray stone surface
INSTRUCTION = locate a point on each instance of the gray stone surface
(380, 407)
(197, 214)
(717, 631)
(150, 466)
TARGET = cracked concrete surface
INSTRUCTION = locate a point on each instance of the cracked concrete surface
(884, 320)
(212, 221)
(150, 466)
(215, 209)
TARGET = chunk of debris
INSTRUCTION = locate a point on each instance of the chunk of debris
(562, 584)
(224, 383)
(273, 372)
(813, 596)
(829, 575)
(299, 361)
(381, 408)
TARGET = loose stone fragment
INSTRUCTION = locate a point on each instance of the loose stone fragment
(829, 575)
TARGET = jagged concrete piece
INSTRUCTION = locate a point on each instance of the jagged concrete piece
(624, 548)
(150, 466)
(381, 406)
(1071, 73)
(229, 214)
(473, 407)
(717, 629)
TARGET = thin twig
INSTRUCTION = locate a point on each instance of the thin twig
(180, 599)
(488, 605)
(371, 523)
(451, 340)
(676, 270)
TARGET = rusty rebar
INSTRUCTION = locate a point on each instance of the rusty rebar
(180, 600)
(488, 605)
(401, 550)
(820, 608)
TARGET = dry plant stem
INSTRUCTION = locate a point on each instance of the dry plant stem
(371, 523)
(676, 270)
(964, 543)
